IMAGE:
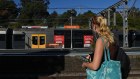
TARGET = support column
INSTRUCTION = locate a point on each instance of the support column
(114, 22)
(125, 26)
(90, 23)
(71, 41)
(108, 17)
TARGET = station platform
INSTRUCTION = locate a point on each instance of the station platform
(53, 63)
(58, 51)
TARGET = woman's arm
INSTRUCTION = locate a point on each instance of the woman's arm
(98, 53)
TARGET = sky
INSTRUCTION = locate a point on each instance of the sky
(88, 4)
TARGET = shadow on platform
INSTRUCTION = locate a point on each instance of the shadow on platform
(32, 66)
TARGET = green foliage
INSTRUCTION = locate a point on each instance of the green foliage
(14, 25)
(35, 12)
(8, 10)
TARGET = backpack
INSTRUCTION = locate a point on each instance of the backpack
(125, 62)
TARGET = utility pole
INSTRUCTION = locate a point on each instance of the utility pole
(125, 25)
(71, 20)
(71, 17)
(124, 15)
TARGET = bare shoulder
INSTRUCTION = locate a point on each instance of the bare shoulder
(102, 41)
(99, 41)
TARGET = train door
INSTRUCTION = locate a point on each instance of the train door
(42, 40)
(38, 41)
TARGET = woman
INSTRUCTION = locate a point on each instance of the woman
(99, 26)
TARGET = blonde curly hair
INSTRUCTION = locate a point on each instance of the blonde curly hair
(104, 30)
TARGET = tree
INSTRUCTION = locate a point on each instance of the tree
(84, 18)
(33, 12)
(66, 16)
(8, 12)
(52, 20)
(133, 18)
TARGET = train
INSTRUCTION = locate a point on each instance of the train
(25, 38)
(40, 38)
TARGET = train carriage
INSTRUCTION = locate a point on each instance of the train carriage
(3, 38)
(38, 38)
(35, 38)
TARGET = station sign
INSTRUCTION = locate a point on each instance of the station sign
(59, 39)
(88, 40)
(71, 27)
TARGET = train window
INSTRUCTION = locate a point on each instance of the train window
(42, 40)
(2, 37)
(19, 37)
(35, 40)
